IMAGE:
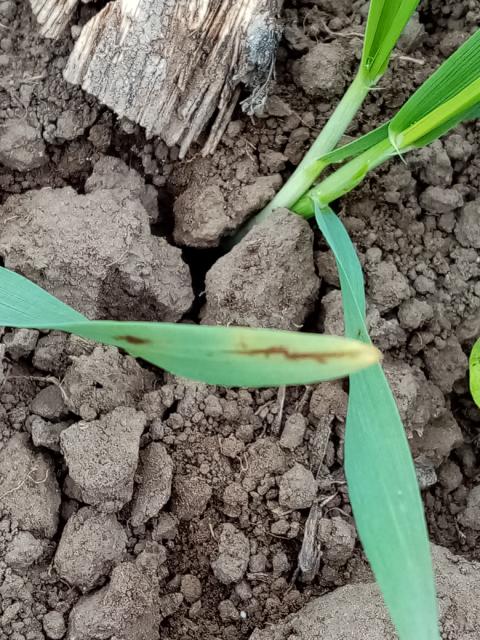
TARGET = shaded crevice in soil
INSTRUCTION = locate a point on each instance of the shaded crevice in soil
(200, 261)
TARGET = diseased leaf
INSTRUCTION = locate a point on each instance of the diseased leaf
(233, 356)
(227, 356)
(381, 477)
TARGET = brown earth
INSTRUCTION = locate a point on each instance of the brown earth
(138, 505)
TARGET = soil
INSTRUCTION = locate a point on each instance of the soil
(138, 505)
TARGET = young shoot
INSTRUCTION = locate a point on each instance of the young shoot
(385, 23)
(450, 96)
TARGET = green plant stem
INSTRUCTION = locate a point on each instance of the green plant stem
(344, 179)
(310, 168)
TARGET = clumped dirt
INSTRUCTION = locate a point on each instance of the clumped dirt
(136, 505)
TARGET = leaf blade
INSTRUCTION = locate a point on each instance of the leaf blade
(453, 76)
(21, 299)
(234, 356)
(449, 113)
(385, 23)
(229, 356)
(380, 470)
(474, 369)
(356, 147)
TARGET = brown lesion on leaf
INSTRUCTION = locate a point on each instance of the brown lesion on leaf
(132, 339)
(297, 355)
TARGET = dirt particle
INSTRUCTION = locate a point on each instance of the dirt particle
(154, 477)
(450, 476)
(267, 280)
(446, 366)
(102, 457)
(20, 342)
(321, 72)
(103, 380)
(49, 403)
(47, 434)
(102, 259)
(467, 230)
(127, 608)
(191, 495)
(54, 625)
(387, 287)
(297, 488)
(414, 313)
(91, 545)
(28, 487)
(293, 431)
(21, 146)
(191, 588)
(233, 555)
(437, 200)
(24, 551)
(471, 516)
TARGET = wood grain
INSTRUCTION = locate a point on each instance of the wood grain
(173, 66)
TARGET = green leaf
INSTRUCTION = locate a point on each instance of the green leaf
(345, 178)
(228, 356)
(354, 148)
(24, 304)
(456, 75)
(380, 473)
(439, 131)
(435, 108)
(475, 372)
(386, 21)
(450, 112)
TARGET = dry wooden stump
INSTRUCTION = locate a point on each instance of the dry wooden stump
(173, 66)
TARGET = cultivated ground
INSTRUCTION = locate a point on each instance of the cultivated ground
(134, 505)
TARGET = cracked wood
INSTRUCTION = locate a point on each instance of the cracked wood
(172, 66)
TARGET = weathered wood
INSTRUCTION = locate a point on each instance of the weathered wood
(173, 65)
(311, 551)
(53, 15)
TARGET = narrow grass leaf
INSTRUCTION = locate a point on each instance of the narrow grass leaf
(345, 179)
(386, 21)
(456, 74)
(381, 477)
(475, 372)
(24, 304)
(432, 111)
(449, 112)
(439, 131)
(354, 148)
(227, 356)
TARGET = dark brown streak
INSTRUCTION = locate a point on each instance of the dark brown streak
(132, 339)
(281, 351)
